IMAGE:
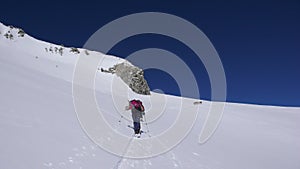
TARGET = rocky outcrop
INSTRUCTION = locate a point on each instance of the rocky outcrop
(131, 75)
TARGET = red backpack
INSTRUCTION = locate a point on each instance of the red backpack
(138, 105)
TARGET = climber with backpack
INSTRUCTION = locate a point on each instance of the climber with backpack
(137, 113)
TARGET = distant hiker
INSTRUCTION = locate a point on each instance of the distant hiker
(137, 112)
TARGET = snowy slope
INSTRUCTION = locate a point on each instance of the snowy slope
(39, 127)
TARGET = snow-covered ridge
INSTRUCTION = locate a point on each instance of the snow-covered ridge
(62, 57)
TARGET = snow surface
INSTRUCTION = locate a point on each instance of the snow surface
(39, 127)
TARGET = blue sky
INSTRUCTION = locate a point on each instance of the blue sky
(258, 41)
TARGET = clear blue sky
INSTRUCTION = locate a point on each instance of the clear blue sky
(258, 41)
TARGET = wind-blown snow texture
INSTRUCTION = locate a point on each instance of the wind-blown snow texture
(39, 127)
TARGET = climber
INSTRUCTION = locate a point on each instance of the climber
(137, 112)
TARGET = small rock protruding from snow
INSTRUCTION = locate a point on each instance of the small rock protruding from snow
(8, 35)
(21, 32)
(197, 102)
(86, 52)
(74, 50)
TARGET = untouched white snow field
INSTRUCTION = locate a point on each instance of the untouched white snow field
(39, 128)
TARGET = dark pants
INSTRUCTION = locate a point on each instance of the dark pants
(136, 127)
